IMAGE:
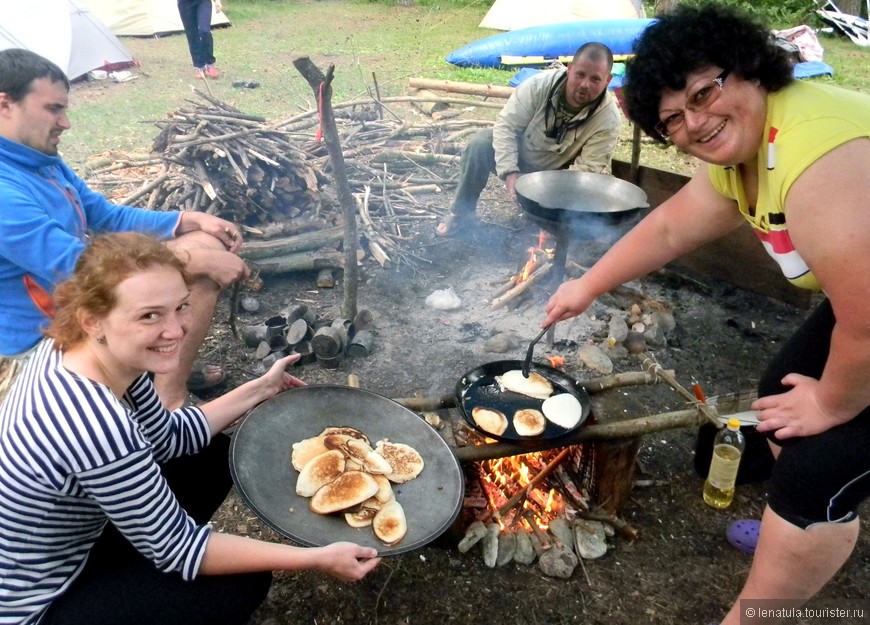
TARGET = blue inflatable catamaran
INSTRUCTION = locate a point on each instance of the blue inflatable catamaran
(541, 44)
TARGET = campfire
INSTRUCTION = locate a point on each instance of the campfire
(515, 289)
(536, 506)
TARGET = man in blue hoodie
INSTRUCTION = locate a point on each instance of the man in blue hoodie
(48, 212)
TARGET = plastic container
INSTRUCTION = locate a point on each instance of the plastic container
(728, 448)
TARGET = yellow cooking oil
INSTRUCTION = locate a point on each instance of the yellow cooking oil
(719, 487)
(727, 449)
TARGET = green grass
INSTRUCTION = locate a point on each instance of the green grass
(361, 38)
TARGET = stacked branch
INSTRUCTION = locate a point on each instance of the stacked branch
(274, 178)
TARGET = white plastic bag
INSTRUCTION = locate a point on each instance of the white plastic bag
(445, 299)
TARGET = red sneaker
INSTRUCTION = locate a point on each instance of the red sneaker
(212, 72)
(199, 73)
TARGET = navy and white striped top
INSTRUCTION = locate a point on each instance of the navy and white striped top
(72, 457)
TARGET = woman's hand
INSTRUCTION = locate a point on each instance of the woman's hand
(568, 301)
(796, 412)
(224, 231)
(347, 561)
(276, 379)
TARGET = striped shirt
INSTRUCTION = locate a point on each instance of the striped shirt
(72, 458)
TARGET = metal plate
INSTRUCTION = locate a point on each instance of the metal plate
(478, 387)
(578, 191)
(261, 469)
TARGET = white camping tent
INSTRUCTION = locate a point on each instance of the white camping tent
(515, 14)
(63, 31)
(143, 18)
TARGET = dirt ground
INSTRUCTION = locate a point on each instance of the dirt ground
(679, 570)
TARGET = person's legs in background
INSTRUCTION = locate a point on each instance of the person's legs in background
(205, 40)
(187, 10)
(475, 167)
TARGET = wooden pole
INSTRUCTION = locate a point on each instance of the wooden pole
(322, 87)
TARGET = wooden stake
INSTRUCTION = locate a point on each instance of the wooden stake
(322, 87)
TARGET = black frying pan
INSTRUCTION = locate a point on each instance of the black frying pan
(478, 387)
(260, 465)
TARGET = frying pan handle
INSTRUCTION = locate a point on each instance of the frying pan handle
(527, 363)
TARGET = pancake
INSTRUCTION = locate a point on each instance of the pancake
(529, 422)
(491, 421)
(535, 385)
(305, 450)
(349, 489)
(564, 410)
(319, 471)
(389, 524)
(405, 461)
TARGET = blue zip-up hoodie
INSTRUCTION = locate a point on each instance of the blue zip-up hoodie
(46, 211)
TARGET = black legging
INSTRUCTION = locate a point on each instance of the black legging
(119, 586)
(824, 477)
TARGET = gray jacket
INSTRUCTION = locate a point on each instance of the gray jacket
(519, 134)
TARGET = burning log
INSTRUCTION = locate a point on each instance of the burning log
(518, 497)
(522, 287)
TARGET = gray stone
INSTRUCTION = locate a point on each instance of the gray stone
(525, 552)
(617, 329)
(489, 544)
(561, 529)
(473, 534)
(590, 539)
(558, 561)
(507, 547)
(501, 343)
(664, 319)
(635, 343)
(592, 357)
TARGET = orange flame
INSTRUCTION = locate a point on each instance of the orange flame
(531, 264)
(504, 477)
(556, 361)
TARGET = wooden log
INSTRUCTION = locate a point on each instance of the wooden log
(302, 261)
(423, 404)
(521, 288)
(258, 250)
(590, 434)
(428, 107)
(465, 88)
(325, 279)
(614, 472)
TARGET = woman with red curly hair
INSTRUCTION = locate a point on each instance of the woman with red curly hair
(105, 496)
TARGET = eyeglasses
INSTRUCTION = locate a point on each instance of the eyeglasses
(697, 101)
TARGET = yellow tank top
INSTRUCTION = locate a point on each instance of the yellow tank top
(804, 122)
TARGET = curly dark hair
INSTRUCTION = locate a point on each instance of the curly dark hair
(693, 38)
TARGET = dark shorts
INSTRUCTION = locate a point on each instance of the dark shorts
(825, 477)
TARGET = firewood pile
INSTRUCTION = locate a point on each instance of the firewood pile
(273, 178)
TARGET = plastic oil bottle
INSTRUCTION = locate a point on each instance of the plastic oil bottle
(727, 449)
